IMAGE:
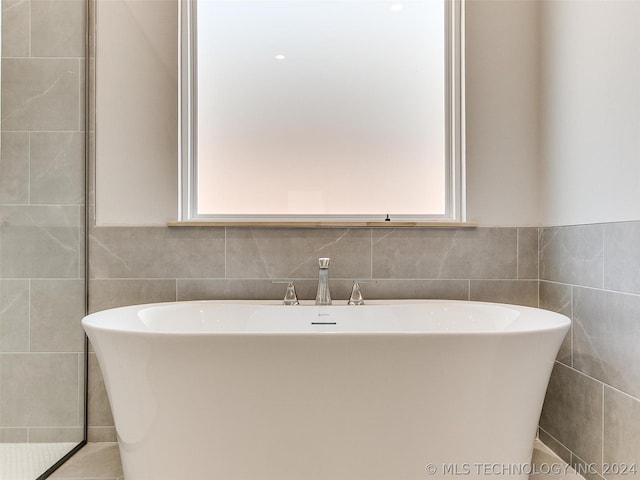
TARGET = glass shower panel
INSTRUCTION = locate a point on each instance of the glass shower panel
(42, 234)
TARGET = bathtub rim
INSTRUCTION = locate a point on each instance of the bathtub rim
(95, 321)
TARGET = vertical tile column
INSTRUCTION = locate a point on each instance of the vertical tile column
(591, 415)
(42, 220)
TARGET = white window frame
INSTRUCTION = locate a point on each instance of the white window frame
(455, 201)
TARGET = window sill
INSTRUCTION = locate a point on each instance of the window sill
(304, 224)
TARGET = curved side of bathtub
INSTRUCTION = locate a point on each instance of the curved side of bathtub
(304, 406)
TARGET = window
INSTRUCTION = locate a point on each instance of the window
(321, 110)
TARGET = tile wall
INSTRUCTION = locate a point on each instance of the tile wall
(42, 221)
(131, 265)
(592, 410)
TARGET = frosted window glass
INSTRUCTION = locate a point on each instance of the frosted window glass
(321, 107)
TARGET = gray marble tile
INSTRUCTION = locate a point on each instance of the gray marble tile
(556, 447)
(572, 412)
(14, 435)
(93, 461)
(39, 389)
(101, 434)
(517, 292)
(57, 306)
(621, 434)
(41, 242)
(15, 28)
(99, 407)
(572, 255)
(112, 293)
(549, 466)
(14, 168)
(157, 252)
(478, 253)
(58, 28)
(528, 253)
(588, 470)
(419, 289)
(57, 168)
(557, 298)
(294, 253)
(40, 94)
(606, 335)
(14, 315)
(248, 289)
(55, 434)
(622, 256)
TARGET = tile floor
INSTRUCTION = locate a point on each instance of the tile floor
(101, 461)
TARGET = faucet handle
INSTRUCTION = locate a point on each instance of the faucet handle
(290, 297)
(356, 295)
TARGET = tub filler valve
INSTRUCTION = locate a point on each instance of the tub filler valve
(323, 296)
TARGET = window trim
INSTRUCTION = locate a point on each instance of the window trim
(455, 202)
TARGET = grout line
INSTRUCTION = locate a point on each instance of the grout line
(28, 170)
(602, 426)
(29, 28)
(349, 278)
(558, 442)
(599, 381)
(29, 313)
(621, 292)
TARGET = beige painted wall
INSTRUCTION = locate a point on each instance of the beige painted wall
(590, 111)
(136, 112)
(136, 138)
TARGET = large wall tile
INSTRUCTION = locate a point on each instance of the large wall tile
(478, 253)
(41, 242)
(58, 28)
(57, 306)
(517, 292)
(57, 168)
(572, 412)
(99, 408)
(40, 94)
(98, 434)
(606, 336)
(14, 168)
(112, 293)
(56, 434)
(15, 28)
(14, 315)
(421, 289)
(621, 432)
(622, 257)
(14, 435)
(528, 253)
(557, 298)
(572, 255)
(293, 253)
(157, 252)
(39, 389)
(563, 452)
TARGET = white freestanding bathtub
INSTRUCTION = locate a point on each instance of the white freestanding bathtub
(391, 390)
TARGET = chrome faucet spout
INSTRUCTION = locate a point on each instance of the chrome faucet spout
(323, 297)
